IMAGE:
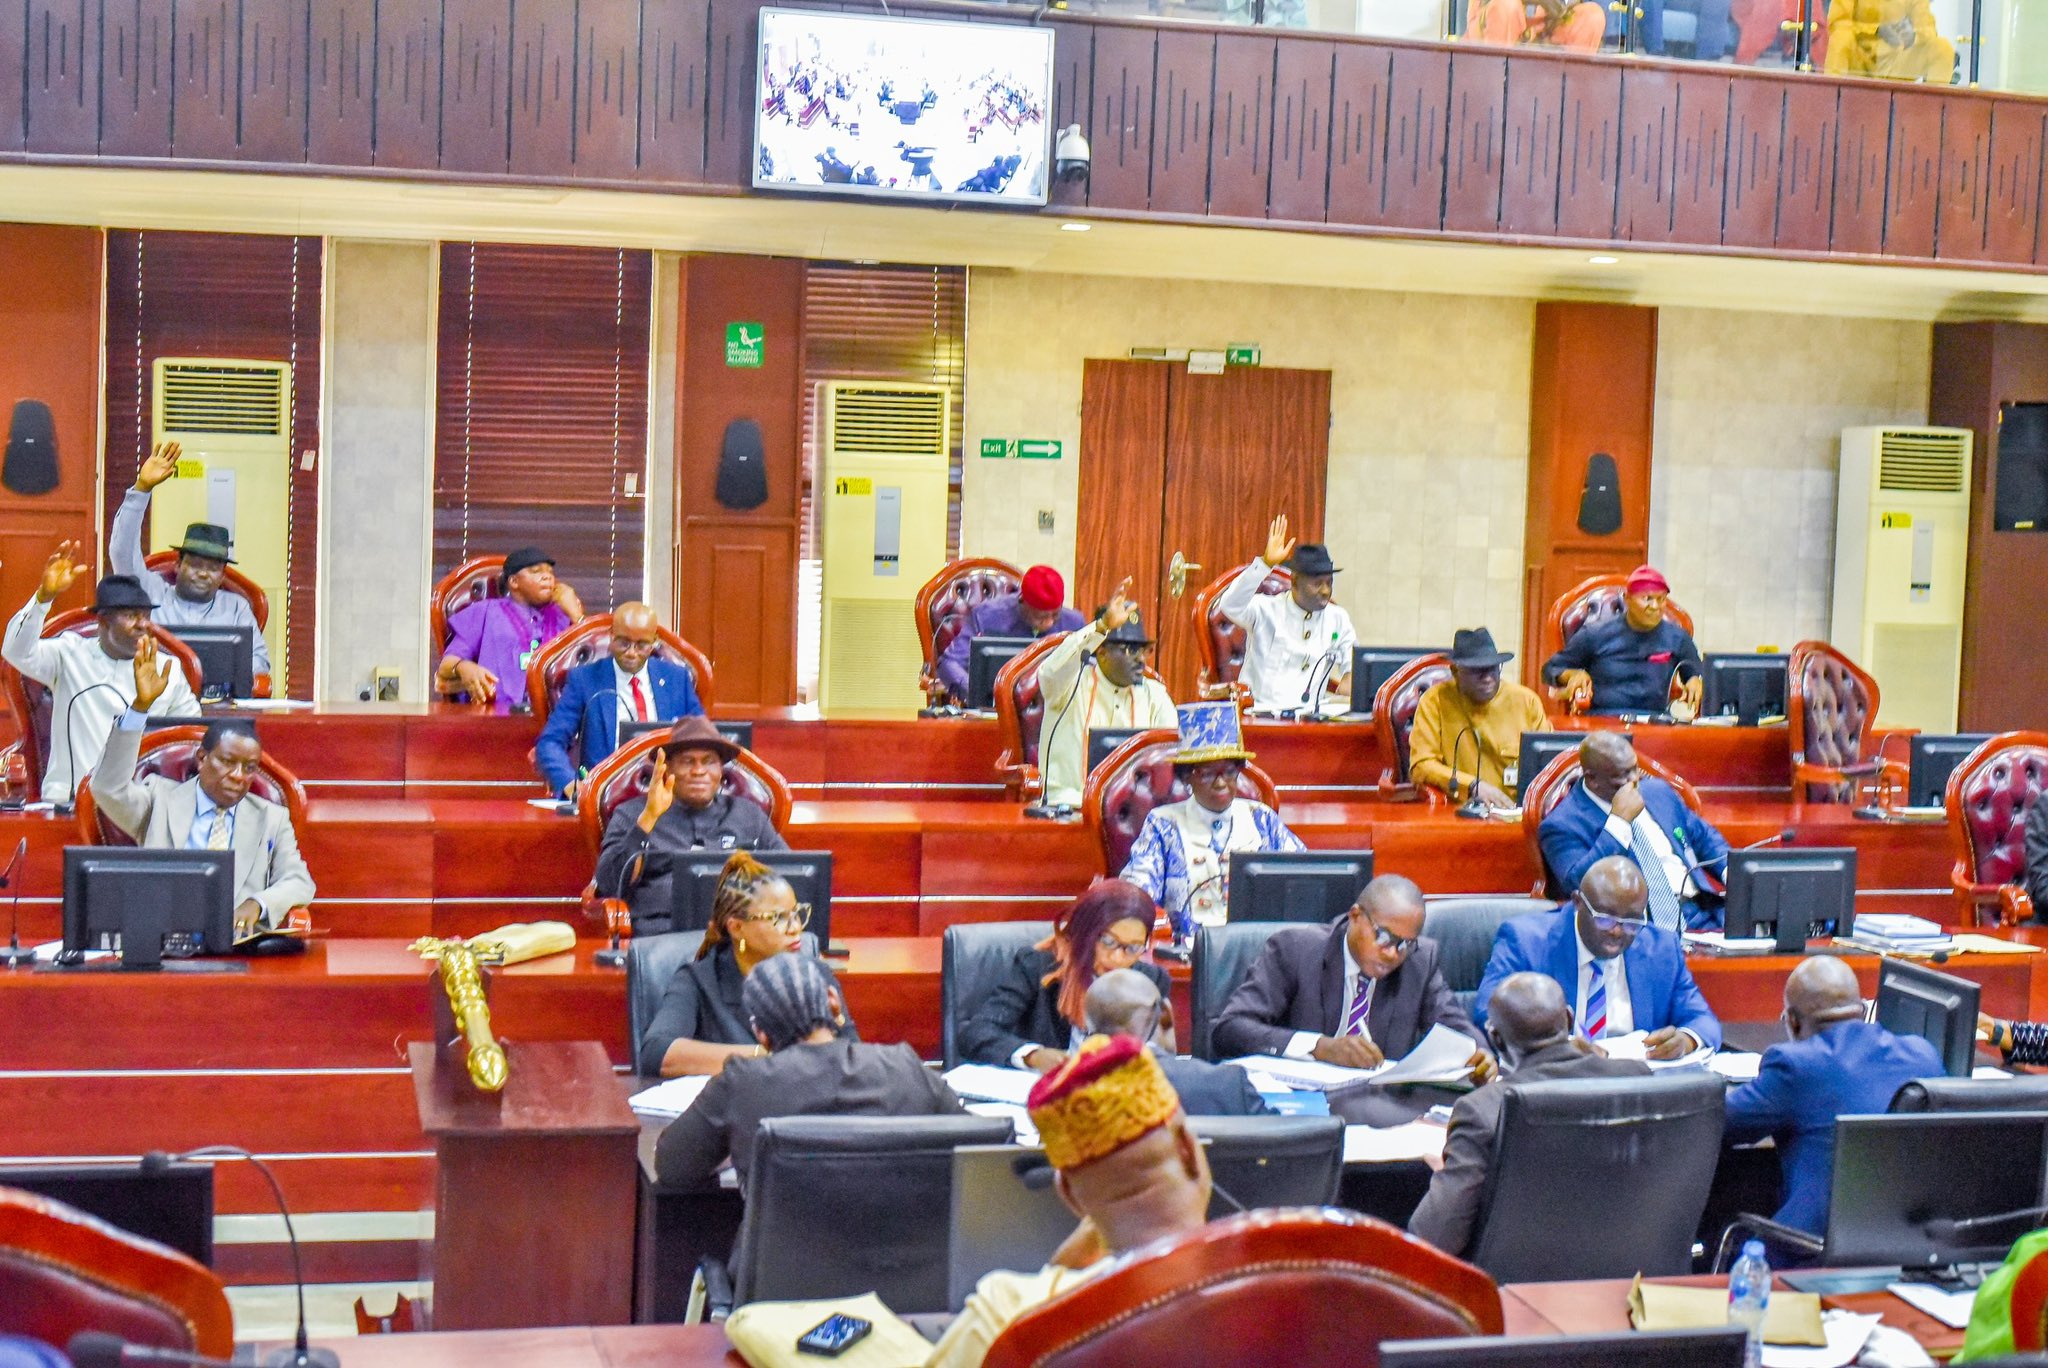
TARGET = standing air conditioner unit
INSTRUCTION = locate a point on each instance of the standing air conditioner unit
(233, 420)
(1902, 531)
(884, 491)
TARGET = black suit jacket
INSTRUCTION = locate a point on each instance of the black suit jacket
(839, 1078)
(1449, 1215)
(1023, 1011)
(1212, 1089)
(1297, 984)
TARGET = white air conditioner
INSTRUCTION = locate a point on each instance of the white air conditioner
(883, 488)
(1902, 533)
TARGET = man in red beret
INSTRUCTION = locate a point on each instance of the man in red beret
(1626, 664)
(1036, 609)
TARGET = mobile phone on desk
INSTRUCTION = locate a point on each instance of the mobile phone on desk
(834, 1335)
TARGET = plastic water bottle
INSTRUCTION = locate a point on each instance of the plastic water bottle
(1749, 1292)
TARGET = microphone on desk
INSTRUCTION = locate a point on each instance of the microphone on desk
(98, 1349)
(1179, 915)
(1043, 808)
(14, 955)
(1944, 1230)
(1786, 837)
(1311, 696)
(1474, 805)
(66, 806)
(299, 1354)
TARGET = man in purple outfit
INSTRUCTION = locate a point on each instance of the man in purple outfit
(1039, 607)
(490, 643)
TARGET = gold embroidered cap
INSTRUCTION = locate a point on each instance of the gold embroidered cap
(1109, 1093)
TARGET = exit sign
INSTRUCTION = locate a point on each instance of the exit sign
(1242, 354)
(1020, 448)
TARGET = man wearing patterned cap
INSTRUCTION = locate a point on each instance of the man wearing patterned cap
(1182, 854)
(1040, 606)
(1095, 678)
(1123, 1158)
(1626, 664)
(1297, 645)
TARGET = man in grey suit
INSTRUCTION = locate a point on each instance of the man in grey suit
(1125, 1002)
(213, 810)
(1531, 1030)
(1360, 991)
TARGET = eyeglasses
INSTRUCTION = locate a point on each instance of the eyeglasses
(1611, 924)
(796, 919)
(1110, 945)
(1215, 769)
(1388, 941)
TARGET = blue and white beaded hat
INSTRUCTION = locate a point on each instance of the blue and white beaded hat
(1209, 731)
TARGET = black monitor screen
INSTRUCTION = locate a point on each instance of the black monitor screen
(1791, 894)
(741, 734)
(1721, 1348)
(1103, 740)
(146, 896)
(174, 1207)
(1006, 1214)
(227, 657)
(1747, 688)
(986, 656)
(1931, 759)
(1904, 1184)
(1296, 885)
(1539, 749)
(1372, 666)
(809, 873)
(1939, 1008)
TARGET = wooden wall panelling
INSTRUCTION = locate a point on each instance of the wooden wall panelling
(1529, 157)
(1123, 465)
(1184, 81)
(1240, 157)
(1120, 145)
(13, 73)
(1964, 199)
(1648, 153)
(1073, 74)
(1699, 181)
(476, 85)
(674, 42)
(1862, 147)
(2012, 211)
(1473, 158)
(1589, 152)
(1418, 96)
(1913, 175)
(1809, 169)
(63, 78)
(1756, 139)
(206, 78)
(1358, 136)
(135, 80)
(730, 83)
(604, 135)
(341, 82)
(542, 89)
(272, 125)
(408, 100)
(1301, 130)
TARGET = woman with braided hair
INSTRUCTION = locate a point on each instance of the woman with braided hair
(701, 1023)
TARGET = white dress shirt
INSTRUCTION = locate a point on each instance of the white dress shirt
(622, 683)
(1283, 646)
(1302, 1044)
(1660, 847)
(1079, 698)
(1621, 1017)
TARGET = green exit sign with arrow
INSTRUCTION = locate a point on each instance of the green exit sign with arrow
(1020, 448)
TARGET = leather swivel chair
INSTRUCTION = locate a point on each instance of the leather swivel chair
(1223, 957)
(473, 581)
(1463, 926)
(1273, 1161)
(973, 958)
(943, 605)
(1138, 776)
(1020, 716)
(1219, 641)
(27, 698)
(1393, 718)
(164, 565)
(1988, 799)
(1831, 715)
(173, 753)
(2022, 1092)
(1541, 795)
(591, 639)
(651, 963)
(1590, 602)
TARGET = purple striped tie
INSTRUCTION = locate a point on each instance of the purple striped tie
(1361, 1006)
(1596, 1001)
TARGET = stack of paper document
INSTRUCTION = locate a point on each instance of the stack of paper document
(671, 1097)
(991, 1083)
(1899, 931)
(1443, 1056)
(1718, 943)
(1393, 1144)
(1635, 1045)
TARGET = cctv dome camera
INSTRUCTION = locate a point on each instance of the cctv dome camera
(1070, 154)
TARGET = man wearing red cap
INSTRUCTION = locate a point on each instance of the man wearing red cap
(1626, 664)
(1039, 607)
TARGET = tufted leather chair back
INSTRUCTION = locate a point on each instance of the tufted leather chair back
(173, 754)
(32, 700)
(1138, 776)
(1833, 710)
(1348, 1282)
(1593, 601)
(165, 565)
(1221, 641)
(945, 601)
(626, 772)
(1989, 797)
(62, 1271)
(1020, 708)
(1393, 707)
(473, 581)
(591, 639)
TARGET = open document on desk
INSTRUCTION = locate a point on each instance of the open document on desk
(1444, 1056)
(1634, 1046)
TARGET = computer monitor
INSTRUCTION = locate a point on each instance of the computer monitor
(145, 897)
(227, 659)
(986, 656)
(1718, 1348)
(1006, 1214)
(1103, 740)
(1372, 666)
(1539, 749)
(1791, 895)
(696, 885)
(1939, 1008)
(741, 734)
(1904, 1183)
(1745, 687)
(1930, 760)
(173, 1206)
(1296, 885)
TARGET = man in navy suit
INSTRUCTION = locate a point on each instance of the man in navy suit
(634, 685)
(1619, 973)
(1616, 809)
(1125, 1002)
(1836, 1064)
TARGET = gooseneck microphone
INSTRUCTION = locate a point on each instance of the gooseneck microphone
(1942, 1230)
(299, 1354)
(98, 1349)
(10, 879)
(69, 803)
(1311, 696)
(1474, 806)
(1041, 808)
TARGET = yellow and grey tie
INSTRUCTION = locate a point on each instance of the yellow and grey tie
(217, 835)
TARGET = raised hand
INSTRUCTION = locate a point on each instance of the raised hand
(150, 680)
(1120, 609)
(661, 792)
(1279, 546)
(61, 570)
(161, 465)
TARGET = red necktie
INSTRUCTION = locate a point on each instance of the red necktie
(639, 701)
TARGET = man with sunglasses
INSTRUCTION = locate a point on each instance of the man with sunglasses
(632, 684)
(1620, 973)
(1363, 990)
(1095, 678)
(1616, 809)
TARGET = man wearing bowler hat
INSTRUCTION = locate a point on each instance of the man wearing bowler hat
(683, 811)
(1467, 736)
(203, 560)
(1296, 644)
(91, 679)
(1096, 678)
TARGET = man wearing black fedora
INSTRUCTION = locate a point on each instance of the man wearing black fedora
(1096, 678)
(91, 679)
(1467, 735)
(195, 599)
(1296, 644)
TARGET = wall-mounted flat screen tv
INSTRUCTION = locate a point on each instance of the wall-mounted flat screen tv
(913, 109)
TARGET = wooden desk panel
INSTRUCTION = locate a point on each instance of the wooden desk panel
(1752, 987)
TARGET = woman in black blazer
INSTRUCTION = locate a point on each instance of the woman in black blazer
(1034, 1017)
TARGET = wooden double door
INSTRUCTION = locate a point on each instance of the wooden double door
(1196, 465)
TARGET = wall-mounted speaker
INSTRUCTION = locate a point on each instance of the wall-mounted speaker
(31, 463)
(742, 466)
(1600, 497)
